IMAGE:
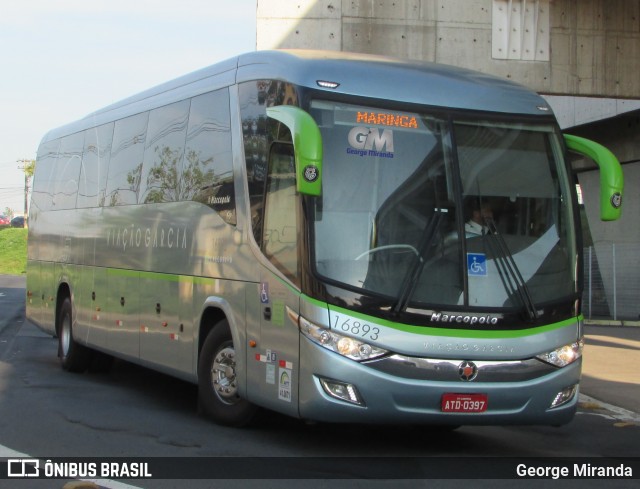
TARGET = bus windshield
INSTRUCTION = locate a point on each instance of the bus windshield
(429, 212)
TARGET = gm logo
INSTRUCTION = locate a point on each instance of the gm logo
(371, 139)
(23, 467)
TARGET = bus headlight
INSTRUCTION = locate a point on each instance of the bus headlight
(565, 355)
(344, 345)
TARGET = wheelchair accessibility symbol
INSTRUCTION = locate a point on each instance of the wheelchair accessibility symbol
(264, 292)
(477, 264)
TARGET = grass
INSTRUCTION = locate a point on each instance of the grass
(13, 251)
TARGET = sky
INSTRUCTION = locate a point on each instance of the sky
(63, 59)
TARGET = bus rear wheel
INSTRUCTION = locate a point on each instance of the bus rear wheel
(74, 357)
(217, 380)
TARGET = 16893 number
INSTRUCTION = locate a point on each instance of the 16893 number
(355, 327)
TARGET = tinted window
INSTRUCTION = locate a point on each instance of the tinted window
(162, 168)
(525, 214)
(42, 195)
(258, 134)
(280, 232)
(388, 204)
(95, 163)
(207, 175)
(125, 167)
(67, 171)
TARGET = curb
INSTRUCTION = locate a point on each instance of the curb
(612, 322)
(589, 405)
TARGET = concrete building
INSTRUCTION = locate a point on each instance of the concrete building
(582, 55)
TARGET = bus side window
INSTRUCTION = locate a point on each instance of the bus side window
(258, 132)
(95, 163)
(125, 167)
(42, 194)
(66, 172)
(164, 150)
(280, 227)
(207, 174)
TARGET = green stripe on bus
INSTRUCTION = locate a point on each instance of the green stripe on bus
(204, 281)
(167, 277)
(453, 333)
(121, 272)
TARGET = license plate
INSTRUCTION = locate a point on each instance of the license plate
(464, 403)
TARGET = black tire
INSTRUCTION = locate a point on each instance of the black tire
(217, 388)
(73, 356)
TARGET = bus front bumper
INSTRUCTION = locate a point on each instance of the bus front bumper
(333, 388)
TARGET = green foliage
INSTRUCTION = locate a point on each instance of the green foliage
(13, 251)
(171, 180)
(29, 167)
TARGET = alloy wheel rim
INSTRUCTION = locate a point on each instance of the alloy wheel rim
(223, 375)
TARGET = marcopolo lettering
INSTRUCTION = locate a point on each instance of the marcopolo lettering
(438, 317)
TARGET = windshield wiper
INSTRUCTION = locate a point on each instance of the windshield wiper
(410, 281)
(508, 269)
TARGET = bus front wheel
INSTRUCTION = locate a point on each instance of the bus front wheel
(74, 357)
(217, 380)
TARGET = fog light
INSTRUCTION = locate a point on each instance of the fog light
(564, 396)
(342, 390)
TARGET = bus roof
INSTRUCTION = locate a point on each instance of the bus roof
(386, 78)
(395, 79)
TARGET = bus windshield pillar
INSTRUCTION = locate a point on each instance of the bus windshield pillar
(307, 143)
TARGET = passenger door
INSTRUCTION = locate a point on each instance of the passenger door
(276, 360)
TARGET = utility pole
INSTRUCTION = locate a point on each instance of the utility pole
(27, 167)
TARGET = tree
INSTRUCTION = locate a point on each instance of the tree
(29, 168)
(166, 182)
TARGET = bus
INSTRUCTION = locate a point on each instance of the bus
(331, 236)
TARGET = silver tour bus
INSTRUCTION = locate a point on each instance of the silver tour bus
(336, 237)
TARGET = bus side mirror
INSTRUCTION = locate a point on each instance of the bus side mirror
(307, 146)
(611, 177)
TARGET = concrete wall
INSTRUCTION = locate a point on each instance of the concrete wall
(591, 47)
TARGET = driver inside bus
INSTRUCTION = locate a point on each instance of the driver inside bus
(476, 226)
